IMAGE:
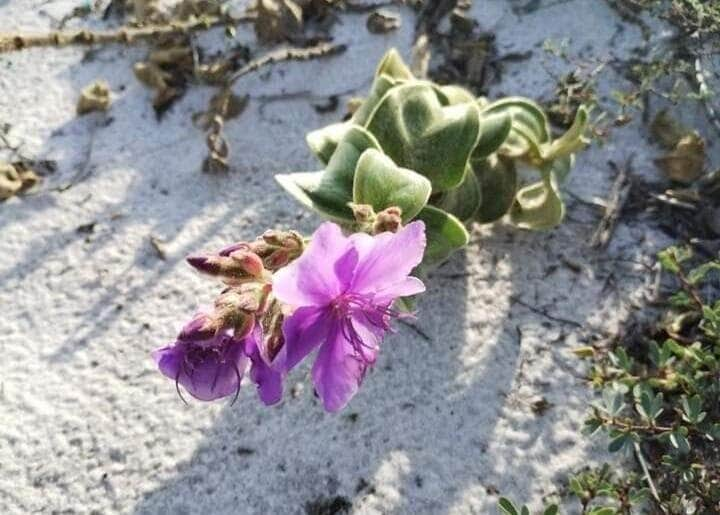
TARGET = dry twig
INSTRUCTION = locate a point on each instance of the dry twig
(618, 196)
(125, 35)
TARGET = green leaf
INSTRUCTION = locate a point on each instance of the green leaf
(602, 510)
(328, 192)
(380, 86)
(538, 206)
(494, 130)
(529, 128)
(570, 142)
(680, 442)
(382, 184)
(445, 234)
(463, 201)
(421, 134)
(393, 66)
(507, 507)
(453, 95)
(323, 142)
(498, 184)
(617, 443)
(553, 509)
(671, 257)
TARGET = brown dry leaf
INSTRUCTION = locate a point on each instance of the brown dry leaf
(380, 22)
(198, 8)
(667, 130)
(10, 182)
(224, 103)
(686, 161)
(179, 56)
(95, 97)
(146, 10)
(167, 71)
(15, 178)
(151, 75)
(277, 20)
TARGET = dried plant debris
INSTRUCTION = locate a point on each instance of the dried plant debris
(94, 97)
(382, 21)
(572, 90)
(685, 163)
(465, 54)
(16, 178)
(685, 160)
(277, 20)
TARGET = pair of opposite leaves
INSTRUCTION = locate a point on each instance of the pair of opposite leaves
(413, 141)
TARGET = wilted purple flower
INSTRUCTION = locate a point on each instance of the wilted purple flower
(210, 364)
(342, 289)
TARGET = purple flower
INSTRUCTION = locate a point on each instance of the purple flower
(342, 289)
(210, 364)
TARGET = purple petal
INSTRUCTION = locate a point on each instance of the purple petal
(169, 359)
(268, 381)
(337, 372)
(304, 330)
(312, 280)
(207, 379)
(390, 258)
(405, 288)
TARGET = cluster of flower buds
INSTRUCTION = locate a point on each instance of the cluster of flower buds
(245, 262)
(387, 220)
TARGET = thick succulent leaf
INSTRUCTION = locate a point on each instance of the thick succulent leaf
(530, 127)
(455, 94)
(328, 192)
(445, 234)
(392, 65)
(562, 166)
(417, 132)
(464, 200)
(572, 141)
(380, 86)
(382, 184)
(494, 130)
(309, 188)
(323, 142)
(498, 183)
(538, 206)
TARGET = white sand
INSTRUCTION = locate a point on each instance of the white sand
(88, 426)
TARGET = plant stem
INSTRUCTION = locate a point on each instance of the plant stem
(643, 464)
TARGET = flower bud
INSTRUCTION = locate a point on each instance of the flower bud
(201, 327)
(272, 329)
(278, 248)
(249, 262)
(237, 267)
(363, 213)
(388, 220)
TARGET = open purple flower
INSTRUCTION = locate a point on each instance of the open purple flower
(210, 365)
(342, 289)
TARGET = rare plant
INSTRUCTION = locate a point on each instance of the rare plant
(414, 165)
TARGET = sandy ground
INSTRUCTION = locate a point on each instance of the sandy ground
(440, 426)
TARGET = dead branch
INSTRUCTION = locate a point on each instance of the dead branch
(615, 202)
(126, 35)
